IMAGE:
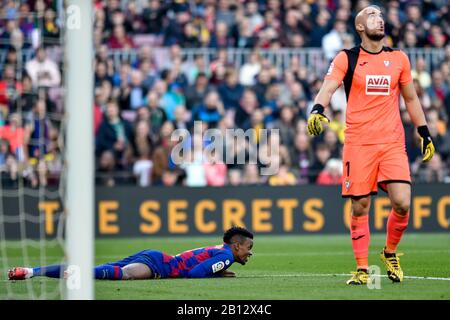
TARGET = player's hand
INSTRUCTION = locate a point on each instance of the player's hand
(427, 146)
(228, 274)
(315, 120)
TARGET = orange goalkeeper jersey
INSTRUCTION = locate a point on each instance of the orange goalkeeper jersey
(372, 85)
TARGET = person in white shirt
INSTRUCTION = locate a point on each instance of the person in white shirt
(332, 42)
(249, 70)
(43, 71)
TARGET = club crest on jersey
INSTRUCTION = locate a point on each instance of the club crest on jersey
(377, 85)
(347, 183)
(218, 266)
(387, 63)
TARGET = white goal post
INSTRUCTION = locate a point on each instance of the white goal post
(80, 149)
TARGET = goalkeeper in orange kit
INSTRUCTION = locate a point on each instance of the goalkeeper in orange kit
(374, 152)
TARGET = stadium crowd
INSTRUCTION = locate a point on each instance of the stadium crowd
(139, 103)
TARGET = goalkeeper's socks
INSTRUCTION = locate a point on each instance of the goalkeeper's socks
(107, 272)
(54, 271)
(396, 226)
(360, 234)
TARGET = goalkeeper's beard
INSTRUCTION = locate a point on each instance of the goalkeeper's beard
(375, 36)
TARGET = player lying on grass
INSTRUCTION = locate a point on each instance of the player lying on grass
(204, 262)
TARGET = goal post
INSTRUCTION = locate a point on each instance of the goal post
(80, 149)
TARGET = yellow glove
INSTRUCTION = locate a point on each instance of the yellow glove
(315, 119)
(427, 146)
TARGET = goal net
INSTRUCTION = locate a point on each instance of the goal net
(34, 133)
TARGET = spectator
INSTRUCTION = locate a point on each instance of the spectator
(211, 111)
(119, 39)
(38, 127)
(169, 178)
(251, 175)
(10, 89)
(153, 112)
(283, 177)
(320, 29)
(246, 38)
(231, 91)
(43, 71)
(132, 96)
(181, 118)
(332, 42)
(190, 37)
(142, 168)
(174, 31)
(256, 123)
(322, 155)
(115, 134)
(195, 94)
(171, 99)
(422, 94)
(332, 173)
(215, 171)
(9, 168)
(286, 125)
(421, 74)
(7, 33)
(302, 157)
(433, 172)
(101, 74)
(160, 166)
(221, 38)
(25, 101)
(262, 84)
(14, 134)
(331, 140)
(439, 89)
(50, 27)
(106, 171)
(154, 17)
(54, 164)
(247, 105)
(234, 177)
(249, 70)
(194, 167)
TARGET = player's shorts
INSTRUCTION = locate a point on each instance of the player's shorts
(151, 258)
(367, 167)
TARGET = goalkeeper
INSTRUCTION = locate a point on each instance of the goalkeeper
(374, 152)
(151, 264)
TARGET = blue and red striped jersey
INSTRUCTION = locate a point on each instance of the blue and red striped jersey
(199, 263)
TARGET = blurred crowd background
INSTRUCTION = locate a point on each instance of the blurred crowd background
(162, 65)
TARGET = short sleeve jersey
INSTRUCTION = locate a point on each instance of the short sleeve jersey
(373, 89)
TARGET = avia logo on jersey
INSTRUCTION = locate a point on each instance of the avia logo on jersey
(218, 266)
(378, 85)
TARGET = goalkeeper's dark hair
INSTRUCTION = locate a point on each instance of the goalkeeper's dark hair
(241, 235)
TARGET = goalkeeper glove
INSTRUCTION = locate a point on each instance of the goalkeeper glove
(315, 119)
(426, 143)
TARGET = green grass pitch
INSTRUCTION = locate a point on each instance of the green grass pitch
(283, 267)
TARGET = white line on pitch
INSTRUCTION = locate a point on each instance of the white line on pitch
(294, 275)
(338, 274)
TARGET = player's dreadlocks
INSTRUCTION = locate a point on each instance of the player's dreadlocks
(241, 234)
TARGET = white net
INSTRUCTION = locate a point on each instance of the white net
(32, 127)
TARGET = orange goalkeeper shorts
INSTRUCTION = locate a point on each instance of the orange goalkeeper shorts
(367, 167)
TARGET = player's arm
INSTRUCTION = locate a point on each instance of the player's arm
(212, 267)
(322, 100)
(333, 80)
(417, 116)
(327, 90)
